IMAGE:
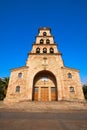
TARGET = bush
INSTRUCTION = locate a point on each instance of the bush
(3, 87)
(85, 90)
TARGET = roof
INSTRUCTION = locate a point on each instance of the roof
(44, 28)
(23, 67)
(70, 68)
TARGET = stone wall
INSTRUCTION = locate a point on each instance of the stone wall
(51, 63)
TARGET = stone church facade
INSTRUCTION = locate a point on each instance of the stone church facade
(44, 78)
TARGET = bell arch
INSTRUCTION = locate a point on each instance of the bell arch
(44, 86)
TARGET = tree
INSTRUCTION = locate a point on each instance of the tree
(1, 90)
(85, 90)
(3, 87)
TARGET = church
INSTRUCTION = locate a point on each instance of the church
(44, 77)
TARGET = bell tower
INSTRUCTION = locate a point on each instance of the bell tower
(44, 40)
(44, 36)
(44, 45)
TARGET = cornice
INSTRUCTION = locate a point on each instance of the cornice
(68, 68)
(44, 36)
(44, 53)
(35, 44)
(23, 67)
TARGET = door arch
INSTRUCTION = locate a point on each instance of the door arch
(44, 86)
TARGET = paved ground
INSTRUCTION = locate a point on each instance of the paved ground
(43, 116)
(72, 120)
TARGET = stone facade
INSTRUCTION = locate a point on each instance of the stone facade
(44, 78)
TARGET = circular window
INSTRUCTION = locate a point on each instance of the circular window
(69, 75)
(19, 75)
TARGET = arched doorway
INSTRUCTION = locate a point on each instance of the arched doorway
(44, 86)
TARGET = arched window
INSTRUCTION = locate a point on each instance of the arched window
(44, 50)
(47, 41)
(44, 34)
(41, 41)
(51, 50)
(38, 50)
(19, 75)
(69, 75)
(17, 89)
(72, 89)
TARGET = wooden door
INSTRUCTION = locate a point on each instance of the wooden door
(36, 94)
(44, 94)
(53, 94)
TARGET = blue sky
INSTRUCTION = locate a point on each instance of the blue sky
(19, 23)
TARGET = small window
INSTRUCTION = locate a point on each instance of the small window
(38, 50)
(19, 75)
(17, 89)
(72, 89)
(44, 34)
(69, 75)
(47, 41)
(51, 50)
(41, 41)
(44, 50)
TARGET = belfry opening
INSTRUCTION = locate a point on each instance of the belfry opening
(44, 86)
